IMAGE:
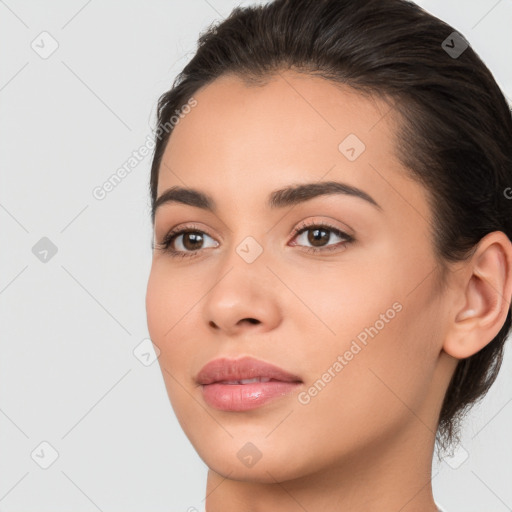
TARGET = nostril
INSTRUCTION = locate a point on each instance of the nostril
(250, 320)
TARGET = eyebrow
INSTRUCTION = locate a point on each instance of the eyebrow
(281, 198)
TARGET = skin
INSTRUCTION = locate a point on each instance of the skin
(365, 442)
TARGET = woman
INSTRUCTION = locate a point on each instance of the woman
(332, 268)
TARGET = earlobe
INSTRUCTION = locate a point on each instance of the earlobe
(486, 284)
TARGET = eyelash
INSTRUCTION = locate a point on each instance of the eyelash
(169, 238)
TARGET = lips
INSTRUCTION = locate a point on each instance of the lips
(236, 370)
(244, 384)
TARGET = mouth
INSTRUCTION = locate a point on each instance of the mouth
(244, 384)
(246, 381)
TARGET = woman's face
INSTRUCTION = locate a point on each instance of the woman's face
(359, 322)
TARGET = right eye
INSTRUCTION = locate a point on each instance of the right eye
(184, 242)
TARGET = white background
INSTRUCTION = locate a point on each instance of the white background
(68, 375)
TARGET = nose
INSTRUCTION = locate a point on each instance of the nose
(243, 320)
(244, 299)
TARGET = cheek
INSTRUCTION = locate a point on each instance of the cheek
(155, 306)
(378, 386)
(165, 314)
(334, 303)
(167, 299)
(377, 339)
(172, 306)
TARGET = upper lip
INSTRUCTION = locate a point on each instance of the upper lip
(223, 369)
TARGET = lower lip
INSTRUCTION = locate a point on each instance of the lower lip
(243, 397)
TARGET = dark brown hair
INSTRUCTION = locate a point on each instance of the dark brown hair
(454, 134)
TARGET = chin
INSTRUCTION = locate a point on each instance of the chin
(264, 472)
(258, 460)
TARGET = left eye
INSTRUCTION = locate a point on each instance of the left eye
(318, 235)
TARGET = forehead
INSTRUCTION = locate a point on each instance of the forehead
(287, 117)
(241, 139)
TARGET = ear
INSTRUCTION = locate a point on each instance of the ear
(484, 288)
